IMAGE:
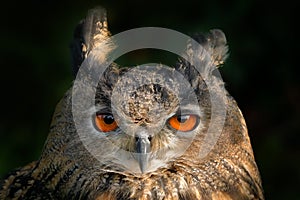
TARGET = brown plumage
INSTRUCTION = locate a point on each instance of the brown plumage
(130, 148)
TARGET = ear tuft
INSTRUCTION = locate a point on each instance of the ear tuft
(219, 45)
(90, 32)
(203, 59)
(215, 43)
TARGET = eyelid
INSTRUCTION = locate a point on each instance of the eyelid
(103, 111)
(187, 112)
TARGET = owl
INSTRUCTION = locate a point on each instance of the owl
(148, 132)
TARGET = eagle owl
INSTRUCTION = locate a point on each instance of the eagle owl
(150, 134)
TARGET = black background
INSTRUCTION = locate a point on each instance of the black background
(260, 73)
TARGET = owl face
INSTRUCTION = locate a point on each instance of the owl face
(144, 117)
(139, 119)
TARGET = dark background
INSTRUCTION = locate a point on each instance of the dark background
(260, 73)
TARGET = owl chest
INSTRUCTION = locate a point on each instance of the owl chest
(163, 186)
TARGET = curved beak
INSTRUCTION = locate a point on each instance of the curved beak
(143, 148)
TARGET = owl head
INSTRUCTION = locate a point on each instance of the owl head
(137, 119)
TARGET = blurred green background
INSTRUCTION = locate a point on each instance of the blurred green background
(260, 73)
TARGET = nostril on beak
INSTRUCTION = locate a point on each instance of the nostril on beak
(137, 138)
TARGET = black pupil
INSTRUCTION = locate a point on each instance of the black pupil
(109, 119)
(183, 118)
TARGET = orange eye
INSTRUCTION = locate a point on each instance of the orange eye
(105, 122)
(183, 123)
